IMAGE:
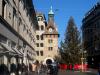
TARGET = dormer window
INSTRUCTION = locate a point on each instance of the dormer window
(37, 36)
(40, 18)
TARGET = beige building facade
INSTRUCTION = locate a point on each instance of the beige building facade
(46, 38)
(17, 32)
(39, 36)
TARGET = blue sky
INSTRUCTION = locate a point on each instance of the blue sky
(63, 9)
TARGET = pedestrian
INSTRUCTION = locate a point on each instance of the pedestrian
(70, 66)
(34, 68)
(55, 68)
(50, 70)
(13, 69)
(30, 67)
(19, 69)
(4, 70)
(38, 68)
(99, 69)
(41, 67)
(24, 69)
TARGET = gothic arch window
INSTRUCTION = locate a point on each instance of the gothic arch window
(40, 18)
(41, 37)
(37, 44)
(50, 48)
(4, 7)
(41, 53)
(14, 17)
(37, 52)
(42, 27)
(50, 41)
(37, 36)
(41, 44)
(24, 28)
(37, 27)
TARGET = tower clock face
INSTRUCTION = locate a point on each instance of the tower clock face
(50, 29)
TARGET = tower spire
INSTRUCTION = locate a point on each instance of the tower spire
(51, 10)
(51, 7)
(51, 15)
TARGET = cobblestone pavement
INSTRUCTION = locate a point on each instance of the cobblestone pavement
(64, 72)
(77, 73)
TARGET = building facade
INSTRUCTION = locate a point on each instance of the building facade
(17, 32)
(91, 35)
(39, 36)
(47, 38)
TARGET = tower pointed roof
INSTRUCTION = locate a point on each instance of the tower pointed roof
(51, 11)
(51, 24)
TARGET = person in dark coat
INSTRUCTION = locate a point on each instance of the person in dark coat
(99, 69)
(4, 70)
(19, 69)
(13, 68)
(50, 69)
(30, 67)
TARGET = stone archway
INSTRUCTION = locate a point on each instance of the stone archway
(48, 60)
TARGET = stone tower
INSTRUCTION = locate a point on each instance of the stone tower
(46, 38)
(50, 38)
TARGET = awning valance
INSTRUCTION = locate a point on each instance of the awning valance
(7, 47)
(6, 50)
(30, 57)
(18, 52)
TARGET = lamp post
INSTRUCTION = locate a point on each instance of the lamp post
(82, 62)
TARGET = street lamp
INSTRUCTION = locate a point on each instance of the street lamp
(83, 59)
